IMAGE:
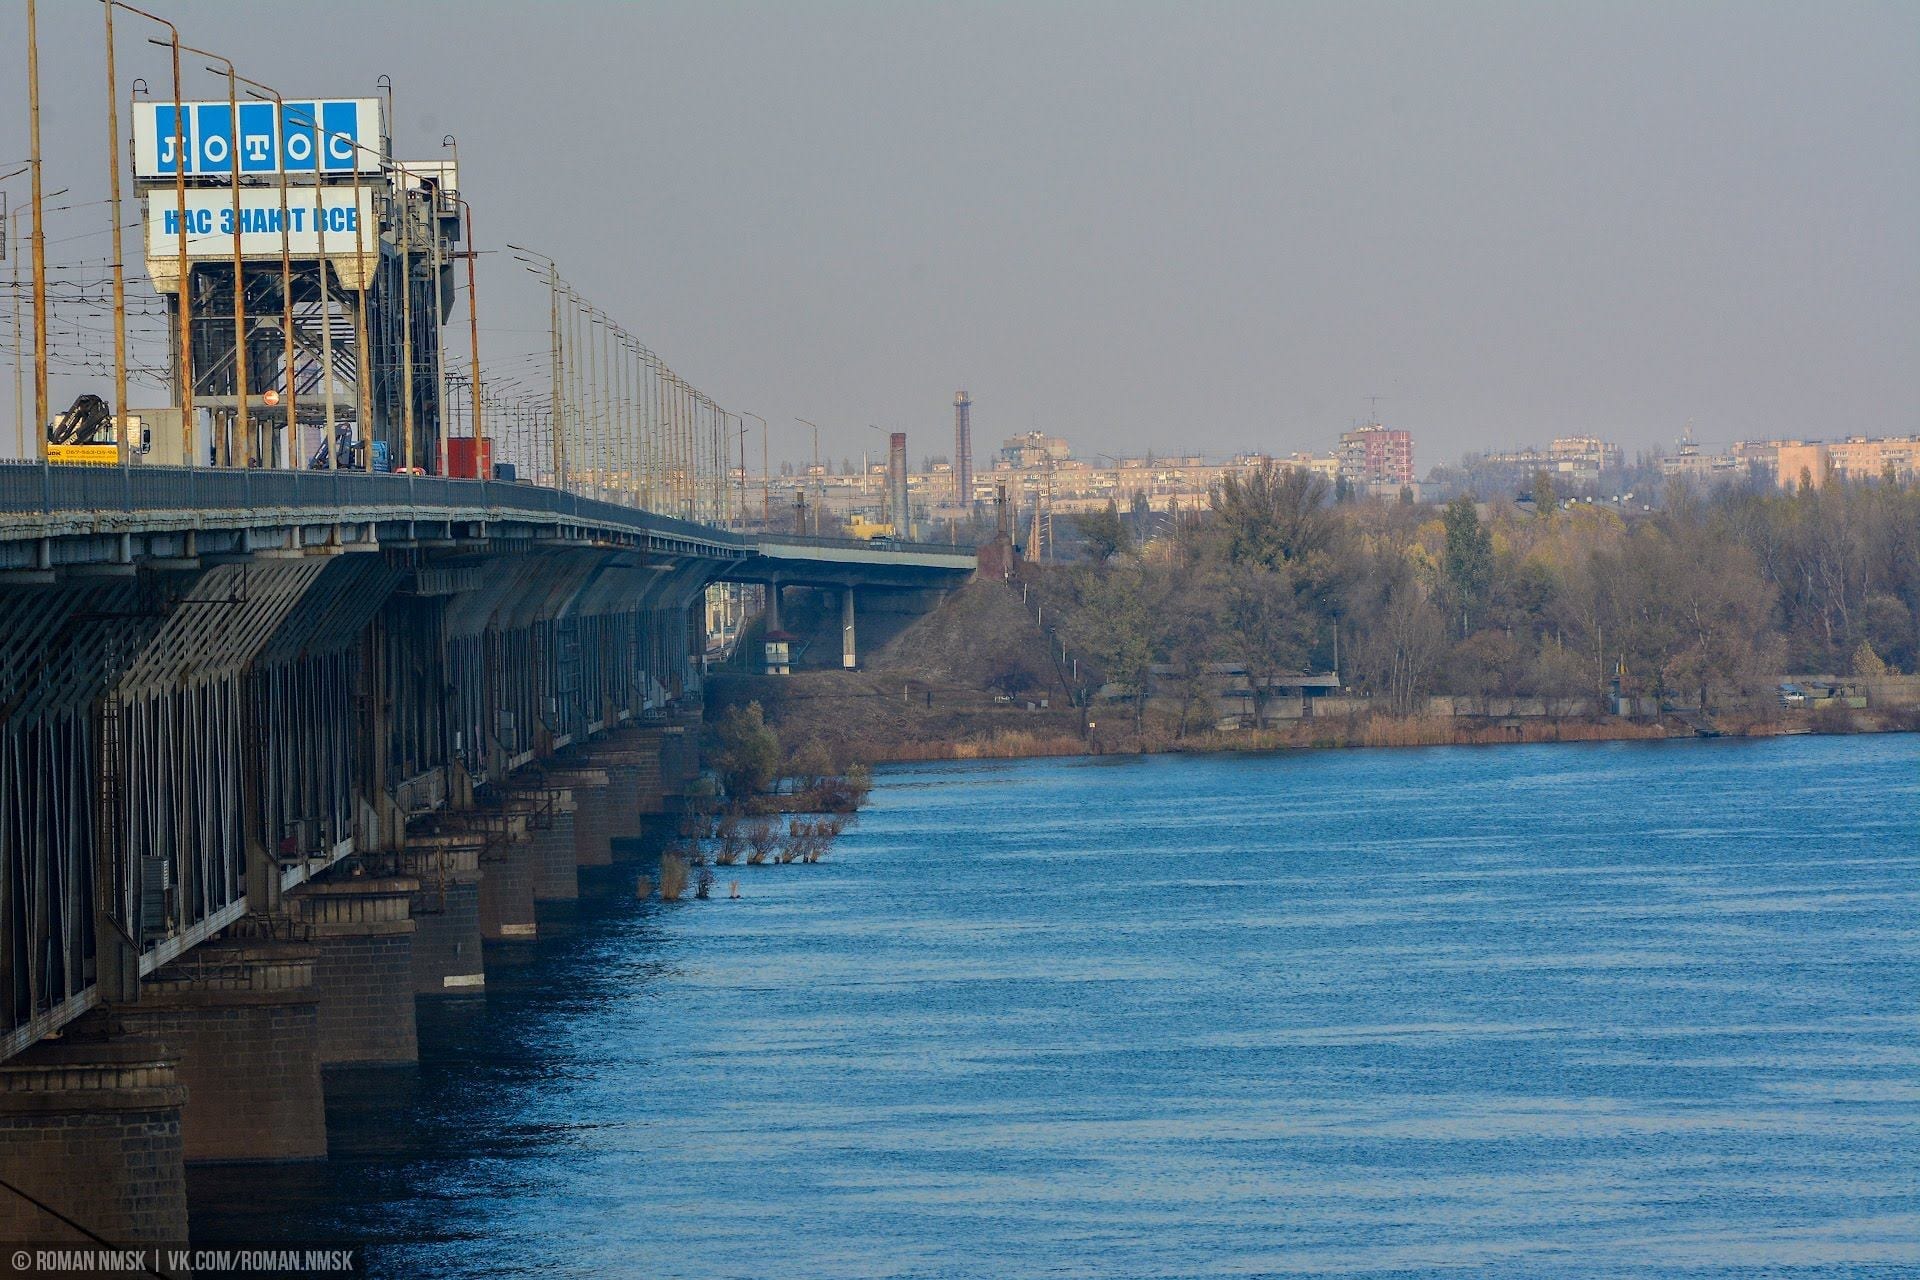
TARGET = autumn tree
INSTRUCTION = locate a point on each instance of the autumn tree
(1468, 559)
(745, 750)
(1105, 533)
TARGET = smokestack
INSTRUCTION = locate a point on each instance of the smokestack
(963, 448)
(897, 485)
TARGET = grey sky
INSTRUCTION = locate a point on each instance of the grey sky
(1179, 226)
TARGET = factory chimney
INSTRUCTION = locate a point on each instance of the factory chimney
(963, 451)
(897, 486)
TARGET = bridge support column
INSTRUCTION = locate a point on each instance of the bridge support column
(446, 913)
(774, 622)
(849, 657)
(593, 812)
(506, 883)
(555, 877)
(242, 1016)
(91, 1129)
(363, 929)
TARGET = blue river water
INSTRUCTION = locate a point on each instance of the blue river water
(1638, 1010)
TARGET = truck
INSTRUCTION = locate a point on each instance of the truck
(868, 530)
(88, 434)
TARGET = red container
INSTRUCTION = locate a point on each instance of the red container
(457, 458)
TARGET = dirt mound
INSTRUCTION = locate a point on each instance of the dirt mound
(982, 637)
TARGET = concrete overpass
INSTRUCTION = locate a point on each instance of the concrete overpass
(282, 750)
(850, 567)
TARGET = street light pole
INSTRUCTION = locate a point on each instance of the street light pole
(818, 491)
(286, 263)
(473, 312)
(766, 483)
(39, 240)
(184, 375)
(241, 426)
(119, 258)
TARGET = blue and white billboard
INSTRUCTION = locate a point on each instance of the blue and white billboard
(326, 136)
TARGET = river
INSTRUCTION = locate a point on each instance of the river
(1617, 1009)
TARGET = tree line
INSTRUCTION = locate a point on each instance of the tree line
(1710, 597)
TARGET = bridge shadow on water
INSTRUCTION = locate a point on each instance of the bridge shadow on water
(400, 1137)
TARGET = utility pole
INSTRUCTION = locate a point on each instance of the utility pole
(240, 420)
(741, 522)
(286, 274)
(39, 241)
(19, 350)
(406, 318)
(819, 490)
(766, 479)
(119, 259)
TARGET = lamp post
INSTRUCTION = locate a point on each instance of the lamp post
(39, 241)
(766, 483)
(241, 425)
(119, 258)
(557, 368)
(8, 221)
(473, 309)
(286, 260)
(185, 375)
(817, 493)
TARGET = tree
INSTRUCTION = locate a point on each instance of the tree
(1866, 662)
(1468, 560)
(1010, 672)
(745, 750)
(1263, 627)
(1141, 512)
(811, 765)
(1113, 628)
(1273, 517)
(1486, 664)
(1401, 647)
(1545, 501)
(1105, 532)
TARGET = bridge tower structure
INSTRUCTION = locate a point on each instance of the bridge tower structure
(327, 307)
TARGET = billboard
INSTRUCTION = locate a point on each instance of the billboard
(315, 137)
(312, 211)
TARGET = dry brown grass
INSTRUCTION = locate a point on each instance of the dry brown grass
(673, 877)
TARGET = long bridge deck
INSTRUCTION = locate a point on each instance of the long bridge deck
(225, 682)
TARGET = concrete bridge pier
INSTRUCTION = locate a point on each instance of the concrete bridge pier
(774, 622)
(91, 1131)
(594, 819)
(506, 880)
(447, 950)
(241, 1017)
(849, 656)
(363, 930)
(553, 874)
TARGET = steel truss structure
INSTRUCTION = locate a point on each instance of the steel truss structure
(182, 741)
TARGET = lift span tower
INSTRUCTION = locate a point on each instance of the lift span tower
(306, 287)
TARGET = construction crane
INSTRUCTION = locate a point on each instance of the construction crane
(88, 433)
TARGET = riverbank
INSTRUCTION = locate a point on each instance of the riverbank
(899, 717)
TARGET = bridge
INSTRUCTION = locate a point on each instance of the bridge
(284, 750)
(298, 722)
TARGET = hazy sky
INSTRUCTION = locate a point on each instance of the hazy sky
(1192, 226)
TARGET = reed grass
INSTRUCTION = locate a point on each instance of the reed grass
(673, 877)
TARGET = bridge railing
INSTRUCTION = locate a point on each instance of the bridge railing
(865, 544)
(43, 488)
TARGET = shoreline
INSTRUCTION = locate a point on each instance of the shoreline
(1355, 734)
